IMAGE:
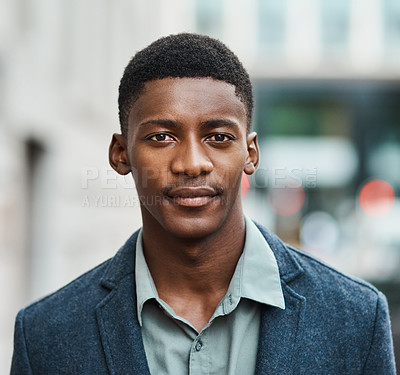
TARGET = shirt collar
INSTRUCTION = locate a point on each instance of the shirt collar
(256, 275)
(145, 287)
(260, 279)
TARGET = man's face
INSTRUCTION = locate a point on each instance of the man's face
(187, 148)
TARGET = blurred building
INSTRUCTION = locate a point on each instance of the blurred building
(326, 77)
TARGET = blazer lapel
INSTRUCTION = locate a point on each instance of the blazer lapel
(117, 316)
(120, 332)
(280, 329)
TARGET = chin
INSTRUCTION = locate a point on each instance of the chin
(192, 227)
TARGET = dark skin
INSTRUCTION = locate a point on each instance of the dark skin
(187, 147)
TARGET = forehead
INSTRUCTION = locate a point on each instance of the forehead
(187, 97)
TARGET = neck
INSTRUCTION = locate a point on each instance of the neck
(199, 264)
(194, 272)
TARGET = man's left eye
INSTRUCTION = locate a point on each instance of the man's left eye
(220, 138)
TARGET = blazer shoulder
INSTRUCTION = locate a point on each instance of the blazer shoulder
(341, 322)
(326, 283)
(90, 288)
(314, 265)
(78, 292)
(347, 309)
(313, 278)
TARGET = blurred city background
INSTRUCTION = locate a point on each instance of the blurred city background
(326, 76)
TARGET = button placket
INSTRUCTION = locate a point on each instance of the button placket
(199, 359)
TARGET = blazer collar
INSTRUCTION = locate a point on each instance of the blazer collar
(280, 329)
(289, 267)
(121, 265)
(121, 335)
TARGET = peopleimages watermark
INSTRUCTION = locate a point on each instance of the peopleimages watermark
(112, 187)
(114, 200)
(280, 177)
(284, 177)
(105, 178)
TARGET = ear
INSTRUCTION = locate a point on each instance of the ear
(118, 156)
(253, 154)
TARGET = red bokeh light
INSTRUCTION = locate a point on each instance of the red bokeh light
(377, 198)
(286, 201)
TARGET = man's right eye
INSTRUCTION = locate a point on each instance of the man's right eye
(161, 137)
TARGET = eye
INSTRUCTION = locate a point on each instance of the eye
(161, 137)
(220, 138)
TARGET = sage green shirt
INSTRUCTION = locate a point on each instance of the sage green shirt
(228, 343)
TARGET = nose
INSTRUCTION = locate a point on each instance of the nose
(191, 159)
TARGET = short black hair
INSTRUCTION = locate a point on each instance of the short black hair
(184, 55)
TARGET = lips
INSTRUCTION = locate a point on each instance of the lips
(192, 196)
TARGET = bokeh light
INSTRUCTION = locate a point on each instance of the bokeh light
(286, 201)
(377, 198)
(320, 232)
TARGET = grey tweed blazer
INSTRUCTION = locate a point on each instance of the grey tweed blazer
(333, 324)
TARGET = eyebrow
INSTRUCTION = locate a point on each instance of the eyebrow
(208, 124)
(168, 123)
(217, 123)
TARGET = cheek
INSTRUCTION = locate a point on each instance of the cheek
(149, 173)
(231, 170)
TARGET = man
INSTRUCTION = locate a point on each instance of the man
(200, 289)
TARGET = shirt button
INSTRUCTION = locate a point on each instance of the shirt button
(199, 345)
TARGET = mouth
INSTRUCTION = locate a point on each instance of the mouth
(192, 196)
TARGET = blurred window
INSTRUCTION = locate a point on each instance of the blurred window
(391, 14)
(209, 17)
(304, 118)
(335, 22)
(272, 26)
